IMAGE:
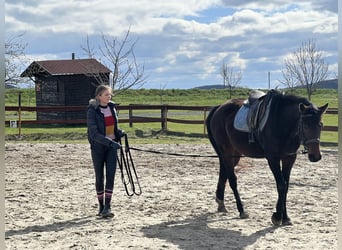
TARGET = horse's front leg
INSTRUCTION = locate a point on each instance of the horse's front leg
(287, 164)
(274, 163)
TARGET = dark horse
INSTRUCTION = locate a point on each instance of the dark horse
(292, 120)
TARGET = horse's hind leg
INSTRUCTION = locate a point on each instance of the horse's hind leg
(221, 185)
(233, 185)
(227, 171)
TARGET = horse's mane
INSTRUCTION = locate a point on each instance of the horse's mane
(285, 105)
(288, 99)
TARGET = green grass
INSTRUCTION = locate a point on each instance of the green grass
(176, 96)
(151, 132)
(140, 133)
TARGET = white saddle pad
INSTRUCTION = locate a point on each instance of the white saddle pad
(240, 120)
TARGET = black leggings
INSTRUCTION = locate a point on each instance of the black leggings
(104, 157)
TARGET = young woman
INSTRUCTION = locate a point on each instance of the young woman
(103, 134)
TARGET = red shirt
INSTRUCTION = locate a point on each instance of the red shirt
(109, 121)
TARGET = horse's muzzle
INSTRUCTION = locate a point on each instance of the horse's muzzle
(314, 153)
(315, 157)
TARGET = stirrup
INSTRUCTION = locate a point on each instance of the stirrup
(251, 137)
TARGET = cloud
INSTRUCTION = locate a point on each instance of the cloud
(181, 43)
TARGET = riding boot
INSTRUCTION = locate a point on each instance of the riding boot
(100, 198)
(101, 207)
(106, 212)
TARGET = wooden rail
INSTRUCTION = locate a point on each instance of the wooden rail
(163, 118)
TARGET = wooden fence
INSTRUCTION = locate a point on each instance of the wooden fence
(132, 116)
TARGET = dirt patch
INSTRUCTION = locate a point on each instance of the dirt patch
(51, 202)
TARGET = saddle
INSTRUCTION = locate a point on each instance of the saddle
(253, 114)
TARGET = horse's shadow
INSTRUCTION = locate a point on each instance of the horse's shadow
(57, 226)
(196, 233)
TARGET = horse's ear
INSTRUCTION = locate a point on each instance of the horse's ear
(323, 108)
(302, 107)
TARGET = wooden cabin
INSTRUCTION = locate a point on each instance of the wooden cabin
(65, 83)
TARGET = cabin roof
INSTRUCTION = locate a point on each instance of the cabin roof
(65, 67)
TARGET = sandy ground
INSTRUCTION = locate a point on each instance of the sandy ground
(51, 202)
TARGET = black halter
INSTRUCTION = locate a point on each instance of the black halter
(305, 141)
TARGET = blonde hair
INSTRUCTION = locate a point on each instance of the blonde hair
(101, 88)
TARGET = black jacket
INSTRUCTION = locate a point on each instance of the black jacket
(96, 124)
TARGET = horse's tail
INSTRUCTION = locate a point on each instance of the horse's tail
(208, 124)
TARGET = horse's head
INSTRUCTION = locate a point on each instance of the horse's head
(310, 127)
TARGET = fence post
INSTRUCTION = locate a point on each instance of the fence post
(204, 119)
(164, 117)
(19, 114)
(130, 115)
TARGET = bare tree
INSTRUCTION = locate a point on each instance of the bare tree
(89, 50)
(230, 77)
(161, 92)
(14, 58)
(119, 57)
(289, 81)
(305, 67)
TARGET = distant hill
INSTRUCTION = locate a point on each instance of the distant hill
(216, 86)
(327, 84)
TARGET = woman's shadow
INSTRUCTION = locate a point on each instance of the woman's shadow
(196, 233)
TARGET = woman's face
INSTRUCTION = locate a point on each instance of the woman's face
(105, 97)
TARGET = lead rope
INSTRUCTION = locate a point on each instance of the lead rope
(176, 154)
(125, 160)
(304, 151)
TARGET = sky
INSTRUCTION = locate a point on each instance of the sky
(181, 44)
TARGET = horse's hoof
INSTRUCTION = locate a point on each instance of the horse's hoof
(276, 221)
(287, 222)
(221, 208)
(244, 215)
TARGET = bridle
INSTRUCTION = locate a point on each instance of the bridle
(305, 141)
